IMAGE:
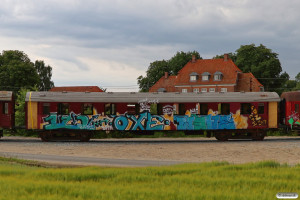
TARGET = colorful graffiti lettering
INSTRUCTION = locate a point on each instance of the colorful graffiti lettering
(143, 121)
(145, 104)
(294, 119)
(146, 121)
(255, 118)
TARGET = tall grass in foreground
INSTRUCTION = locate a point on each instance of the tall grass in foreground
(217, 180)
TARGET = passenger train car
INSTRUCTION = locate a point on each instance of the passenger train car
(7, 106)
(230, 115)
(290, 109)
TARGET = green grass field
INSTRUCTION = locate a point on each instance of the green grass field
(215, 180)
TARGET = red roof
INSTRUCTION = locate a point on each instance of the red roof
(211, 66)
(167, 83)
(76, 89)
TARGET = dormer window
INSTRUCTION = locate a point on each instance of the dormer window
(205, 76)
(193, 77)
(218, 76)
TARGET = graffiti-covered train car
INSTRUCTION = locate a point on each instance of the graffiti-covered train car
(290, 109)
(225, 115)
(7, 106)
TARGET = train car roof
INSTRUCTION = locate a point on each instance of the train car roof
(6, 95)
(138, 97)
(291, 96)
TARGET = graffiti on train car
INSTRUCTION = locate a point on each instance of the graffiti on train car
(294, 119)
(147, 121)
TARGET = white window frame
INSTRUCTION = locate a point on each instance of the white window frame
(196, 90)
(193, 78)
(184, 90)
(217, 77)
(212, 89)
(203, 89)
(205, 78)
(223, 89)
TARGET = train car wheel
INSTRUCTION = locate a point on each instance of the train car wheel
(258, 136)
(46, 136)
(222, 136)
(85, 137)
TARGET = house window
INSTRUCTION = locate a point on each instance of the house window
(261, 108)
(212, 89)
(184, 90)
(87, 109)
(223, 89)
(217, 77)
(196, 90)
(193, 78)
(5, 108)
(110, 109)
(203, 109)
(63, 109)
(46, 108)
(225, 108)
(203, 89)
(205, 78)
(245, 108)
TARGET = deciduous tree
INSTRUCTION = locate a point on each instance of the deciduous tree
(45, 73)
(157, 69)
(263, 63)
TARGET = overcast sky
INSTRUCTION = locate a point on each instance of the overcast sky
(109, 43)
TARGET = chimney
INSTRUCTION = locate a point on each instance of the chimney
(226, 57)
(166, 74)
(193, 58)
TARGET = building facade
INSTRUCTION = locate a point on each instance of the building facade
(208, 75)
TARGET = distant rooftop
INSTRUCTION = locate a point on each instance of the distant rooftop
(76, 89)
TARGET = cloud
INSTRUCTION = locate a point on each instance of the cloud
(72, 35)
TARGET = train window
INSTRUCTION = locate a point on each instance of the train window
(153, 108)
(181, 109)
(297, 108)
(5, 108)
(110, 109)
(225, 108)
(133, 109)
(46, 108)
(203, 109)
(261, 108)
(87, 109)
(63, 109)
(159, 109)
(245, 108)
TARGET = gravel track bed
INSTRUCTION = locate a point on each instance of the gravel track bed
(280, 149)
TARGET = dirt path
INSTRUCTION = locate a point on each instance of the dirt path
(281, 149)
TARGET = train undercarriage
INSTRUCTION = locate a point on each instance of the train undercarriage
(221, 135)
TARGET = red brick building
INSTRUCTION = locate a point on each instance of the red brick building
(76, 89)
(209, 75)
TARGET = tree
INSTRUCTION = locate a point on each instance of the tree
(45, 74)
(232, 56)
(263, 64)
(297, 80)
(157, 69)
(16, 71)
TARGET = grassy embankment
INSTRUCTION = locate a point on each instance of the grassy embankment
(191, 181)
